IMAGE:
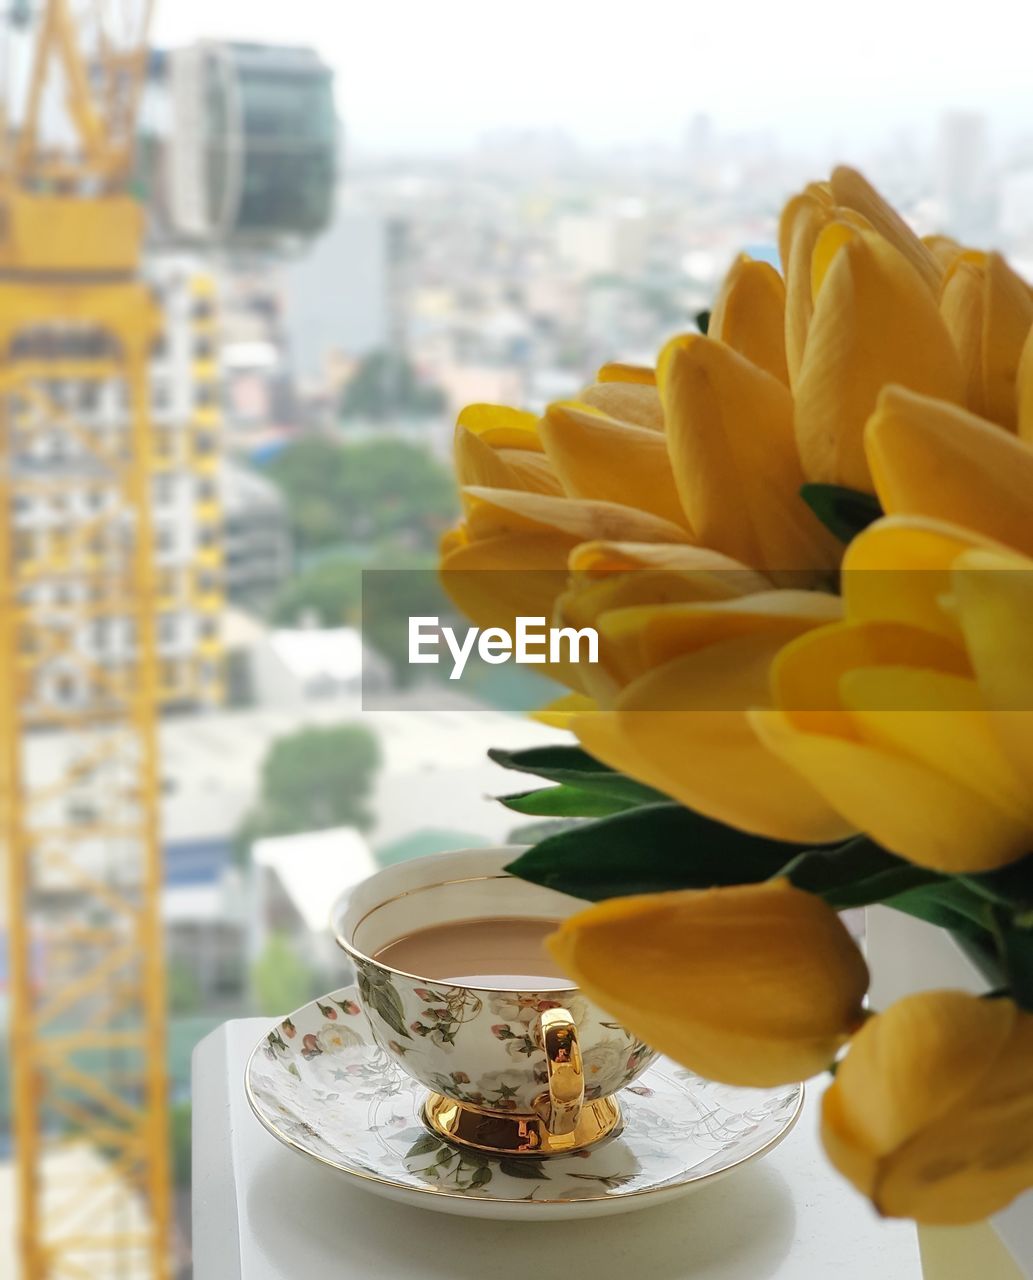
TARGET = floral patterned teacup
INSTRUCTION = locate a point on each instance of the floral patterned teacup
(520, 1071)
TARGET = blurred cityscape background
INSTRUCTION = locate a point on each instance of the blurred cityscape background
(330, 301)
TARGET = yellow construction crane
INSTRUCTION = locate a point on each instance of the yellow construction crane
(79, 774)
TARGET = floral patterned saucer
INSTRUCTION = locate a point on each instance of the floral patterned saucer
(320, 1084)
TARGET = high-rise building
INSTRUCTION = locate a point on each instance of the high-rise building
(64, 515)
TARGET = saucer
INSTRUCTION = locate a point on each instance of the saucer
(320, 1084)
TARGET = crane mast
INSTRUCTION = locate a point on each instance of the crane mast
(79, 771)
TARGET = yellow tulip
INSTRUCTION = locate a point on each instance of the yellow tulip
(749, 315)
(988, 312)
(752, 985)
(903, 727)
(595, 456)
(802, 221)
(875, 322)
(851, 190)
(730, 435)
(931, 1111)
(936, 460)
(673, 688)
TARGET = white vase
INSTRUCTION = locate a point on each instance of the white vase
(907, 955)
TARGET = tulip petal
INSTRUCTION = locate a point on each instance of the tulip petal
(802, 220)
(749, 315)
(908, 808)
(589, 601)
(652, 634)
(1024, 389)
(701, 757)
(936, 460)
(616, 371)
(599, 457)
(1008, 316)
(501, 426)
(635, 402)
(852, 190)
(806, 676)
(937, 720)
(875, 322)
(498, 579)
(752, 985)
(962, 307)
(477, 463)
(975, 1159)
(995, 609)
(943, 248)
(731, 440)
(591, 559)
(898, 570)
(511, 511)
(559, 713)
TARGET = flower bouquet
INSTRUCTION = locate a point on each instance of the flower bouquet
(805, 540)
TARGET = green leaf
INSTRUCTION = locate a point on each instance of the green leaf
(843, 511)
(533, 832)
(649, 850)
(703, 321)
(950, 904)
(1015, 948)
(576, 768)
(423, 1146)
(1010, 886)
(565, 802)
(855, 874)
(529, 1167)
(481, 1177)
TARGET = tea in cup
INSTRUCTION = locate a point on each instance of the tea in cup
(461, 993)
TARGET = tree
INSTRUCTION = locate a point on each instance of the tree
(386, 385)
(281, 980)
(311, 780)
(330, 592)
(309, 475)
(364, 494)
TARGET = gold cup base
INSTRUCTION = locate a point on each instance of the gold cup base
(518, 1135)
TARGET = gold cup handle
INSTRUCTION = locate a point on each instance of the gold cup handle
(559, 1108)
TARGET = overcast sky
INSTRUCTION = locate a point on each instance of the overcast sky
(420, 73)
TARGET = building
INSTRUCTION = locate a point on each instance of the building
(257, 554)
(186, 399)
(295, 880)
(71, 430)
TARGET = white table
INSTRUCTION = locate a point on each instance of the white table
(262, 1212)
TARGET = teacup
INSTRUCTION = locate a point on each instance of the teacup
(507, 1070)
